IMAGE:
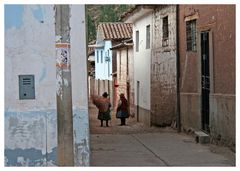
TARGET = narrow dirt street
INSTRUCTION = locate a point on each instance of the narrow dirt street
(132, 126)
(137, 145)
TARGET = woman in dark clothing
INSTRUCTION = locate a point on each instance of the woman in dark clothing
(103, 104)
(122, 110)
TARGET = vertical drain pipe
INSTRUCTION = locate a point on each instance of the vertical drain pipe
(178, 70)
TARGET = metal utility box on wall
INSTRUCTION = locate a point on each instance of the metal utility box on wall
(26, 87)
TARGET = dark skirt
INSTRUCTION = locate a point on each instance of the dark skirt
(104, 115)
(122, 114)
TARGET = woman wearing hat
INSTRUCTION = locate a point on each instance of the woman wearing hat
(103, 104)
(122, 110)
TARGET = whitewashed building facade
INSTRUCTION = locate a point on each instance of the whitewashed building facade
(30, 111)
(154, 36)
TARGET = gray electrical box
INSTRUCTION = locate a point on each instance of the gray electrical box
(26, 87)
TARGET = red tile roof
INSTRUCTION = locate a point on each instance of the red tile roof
(116, 30)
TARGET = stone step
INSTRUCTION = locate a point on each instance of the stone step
(201, 137)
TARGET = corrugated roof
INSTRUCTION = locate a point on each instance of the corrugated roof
(116, 30)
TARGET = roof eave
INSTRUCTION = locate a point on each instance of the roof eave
(96, 46)
(121, 45)
(138, 12)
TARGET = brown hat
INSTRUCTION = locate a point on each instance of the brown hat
(121, 95)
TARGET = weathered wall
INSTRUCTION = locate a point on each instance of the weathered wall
(30, 125)
(220, 21)
(124, 62)
(79, 86)
(189, 79)
(163, 68)
(190, 113)
(222, 119)
(122, 71)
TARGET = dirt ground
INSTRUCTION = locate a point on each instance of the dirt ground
(131, 127)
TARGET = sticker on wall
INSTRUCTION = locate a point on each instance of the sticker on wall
(63, 56)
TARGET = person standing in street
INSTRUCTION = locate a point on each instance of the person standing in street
(122, 109)
(103, 104)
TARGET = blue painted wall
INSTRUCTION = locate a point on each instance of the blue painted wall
(30, 125)
(30, 138)
(13, 15)
(103, 69)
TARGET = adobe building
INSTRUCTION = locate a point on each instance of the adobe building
(154, 36)
(124, 82)
(207, 70)
(163, 66)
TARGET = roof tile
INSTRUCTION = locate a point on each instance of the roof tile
(116, 30)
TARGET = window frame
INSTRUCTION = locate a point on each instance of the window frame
(97, 57)
(137, 40)
(191, 35)
(165, 31)
(148, 36)
(165, 28)
(101, 56)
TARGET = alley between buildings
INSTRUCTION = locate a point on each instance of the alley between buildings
(137, 145)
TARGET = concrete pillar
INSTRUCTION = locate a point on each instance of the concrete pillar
(65, 155)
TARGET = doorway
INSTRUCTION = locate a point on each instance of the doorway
(138, 87)
(205, 80)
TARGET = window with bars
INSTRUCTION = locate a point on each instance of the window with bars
(165, 28)
(165, 31)
(148, 37)
(191, 35)
(137, 41)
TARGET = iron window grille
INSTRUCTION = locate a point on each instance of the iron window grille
(165, 27)
(165, 31)
(191, 35)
